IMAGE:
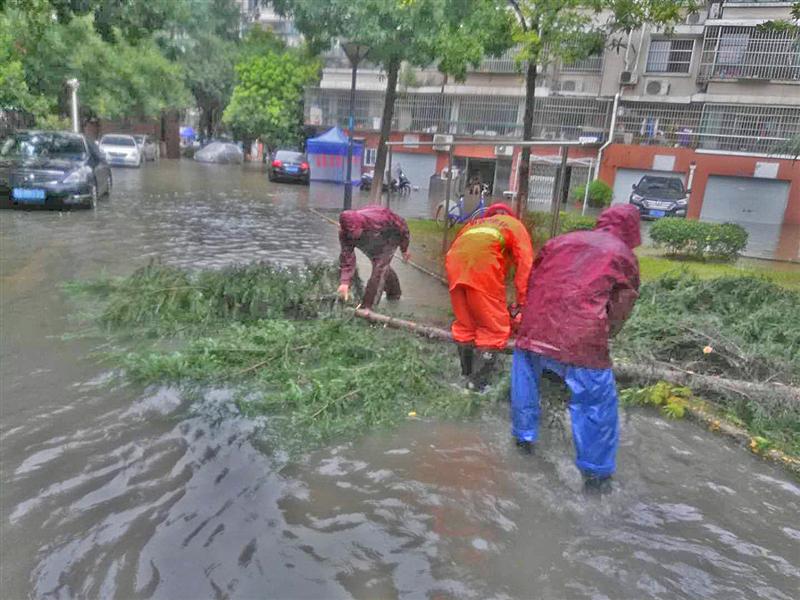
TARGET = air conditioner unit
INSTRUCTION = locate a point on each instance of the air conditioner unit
(570, 85)
(503, 150)
(656, 87)
(628, 78)
(442, 141)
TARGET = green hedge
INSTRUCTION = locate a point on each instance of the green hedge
(600, 194)
(699, 240)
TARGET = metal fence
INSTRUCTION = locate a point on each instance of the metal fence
(505, 63)
(557, 117)
(657, 123)
(732, 127)
(741, 52)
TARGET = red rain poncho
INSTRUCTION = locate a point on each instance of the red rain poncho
(377, 232)
(582, 289)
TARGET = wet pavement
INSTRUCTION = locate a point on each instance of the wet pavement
(109, 490)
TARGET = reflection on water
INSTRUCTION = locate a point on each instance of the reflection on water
(110, 490)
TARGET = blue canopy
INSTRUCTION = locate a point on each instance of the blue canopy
(333, 141)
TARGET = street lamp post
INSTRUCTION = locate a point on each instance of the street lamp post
(73, 86)
(355, 53)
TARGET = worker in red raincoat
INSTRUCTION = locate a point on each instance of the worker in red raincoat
(477, 265)
(582, 289)
(377, 232)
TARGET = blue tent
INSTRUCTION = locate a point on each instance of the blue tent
(327, 156)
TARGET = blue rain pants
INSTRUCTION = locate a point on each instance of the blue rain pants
(592, 408)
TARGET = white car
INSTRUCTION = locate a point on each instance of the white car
(121, 150)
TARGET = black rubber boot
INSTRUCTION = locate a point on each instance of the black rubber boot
(525, 447)
(484, 370)
(593, 485)
(466, 353)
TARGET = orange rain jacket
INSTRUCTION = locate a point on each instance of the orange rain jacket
(483, 252)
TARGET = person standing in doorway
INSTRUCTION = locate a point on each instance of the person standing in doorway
(582, 289)
(377, 232)
(477, 265)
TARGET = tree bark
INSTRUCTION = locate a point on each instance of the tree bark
(527, 135)
(392, 72)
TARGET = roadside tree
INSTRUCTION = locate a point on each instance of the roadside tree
(570, 30)
(267, 101)
(417, 32)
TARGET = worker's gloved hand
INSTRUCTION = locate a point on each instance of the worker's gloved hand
(516, 321)
(344, 292)
(406, 256)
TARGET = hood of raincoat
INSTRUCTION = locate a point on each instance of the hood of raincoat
(499, 209)
(622, 221)
(352, 224)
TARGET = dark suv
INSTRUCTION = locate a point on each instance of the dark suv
(660, 196)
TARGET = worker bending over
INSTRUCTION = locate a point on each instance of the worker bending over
(477, 265)
(582, 289)
(377, 232)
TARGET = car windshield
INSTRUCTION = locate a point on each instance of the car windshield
(289, 156)
(30, 145)
(664, 187)
(117, 140)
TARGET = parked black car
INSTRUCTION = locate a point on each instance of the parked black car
(51, 169)
(660, 196)
(288, 165)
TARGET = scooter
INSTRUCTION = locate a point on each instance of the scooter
(402, 184)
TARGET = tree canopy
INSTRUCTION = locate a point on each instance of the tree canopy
(267, 99)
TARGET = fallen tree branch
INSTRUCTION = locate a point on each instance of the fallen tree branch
(644, 373)
(648, 374)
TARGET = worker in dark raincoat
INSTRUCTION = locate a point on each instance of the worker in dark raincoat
(477, 265)
(377, 232)
(582, 289)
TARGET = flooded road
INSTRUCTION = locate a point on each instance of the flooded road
(108, 490)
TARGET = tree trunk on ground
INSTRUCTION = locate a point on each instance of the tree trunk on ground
(527, 134)
(774, 393)
(393, 71)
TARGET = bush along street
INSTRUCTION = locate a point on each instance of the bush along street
(280, 340)
(699, 240)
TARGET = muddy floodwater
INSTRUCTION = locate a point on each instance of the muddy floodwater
(110, 490)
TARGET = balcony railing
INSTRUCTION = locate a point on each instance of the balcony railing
(558, 117)
(730, 127)
(734, 52)
(505, 63)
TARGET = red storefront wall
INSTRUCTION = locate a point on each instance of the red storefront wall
(621, 156)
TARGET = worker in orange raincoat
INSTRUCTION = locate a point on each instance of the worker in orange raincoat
(477, 265)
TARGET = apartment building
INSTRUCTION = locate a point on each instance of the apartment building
(710, 102)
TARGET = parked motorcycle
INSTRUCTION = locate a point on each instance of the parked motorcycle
(400, 184)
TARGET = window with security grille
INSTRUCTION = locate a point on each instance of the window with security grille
(370, 156)
(670, 56)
